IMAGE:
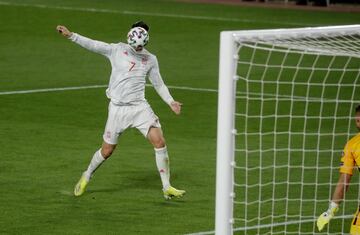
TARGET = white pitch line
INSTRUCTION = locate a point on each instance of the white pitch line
(156, 14)
(95, 86)
(200, 89)
(51, 89)
(189, 88)
(271, 225)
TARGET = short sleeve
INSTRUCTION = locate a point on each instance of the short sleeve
(347, 160)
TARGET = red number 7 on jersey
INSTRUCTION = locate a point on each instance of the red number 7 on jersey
(132, 65)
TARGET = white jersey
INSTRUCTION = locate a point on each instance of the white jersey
(129, 71)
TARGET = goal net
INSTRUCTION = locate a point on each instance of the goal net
(286, 104)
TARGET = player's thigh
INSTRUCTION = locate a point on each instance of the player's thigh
(355, 224)
(144, 119)
(116, 123)
(156, 137)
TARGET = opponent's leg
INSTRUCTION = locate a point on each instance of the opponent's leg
(156, 138)
(98, 158)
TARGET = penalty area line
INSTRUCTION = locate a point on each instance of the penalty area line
(271, 225)
(96, 86)
(185, 88)
(51, 89)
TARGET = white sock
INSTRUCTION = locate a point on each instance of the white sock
(162, 163)
(96, 161)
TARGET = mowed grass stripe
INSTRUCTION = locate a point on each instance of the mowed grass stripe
(271, 225)
(158, 14)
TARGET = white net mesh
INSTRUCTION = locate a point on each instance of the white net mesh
(296, 97)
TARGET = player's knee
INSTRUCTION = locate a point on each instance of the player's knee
(159, 143)
(107, 151)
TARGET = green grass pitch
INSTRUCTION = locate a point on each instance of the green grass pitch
(47, 139)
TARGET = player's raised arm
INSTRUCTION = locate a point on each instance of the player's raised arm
(161, 89)
(92, 45)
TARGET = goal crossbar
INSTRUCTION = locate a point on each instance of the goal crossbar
(270, 34)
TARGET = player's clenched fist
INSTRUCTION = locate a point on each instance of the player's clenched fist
(64, 31)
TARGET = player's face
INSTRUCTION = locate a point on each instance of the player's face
(357, 120)
(139, 48)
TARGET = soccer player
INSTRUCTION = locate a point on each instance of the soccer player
(131, 64)
(350, 159)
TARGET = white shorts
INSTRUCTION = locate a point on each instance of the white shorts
(120, 118)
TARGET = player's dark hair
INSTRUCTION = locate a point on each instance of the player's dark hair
(357, 109)
(141, 24)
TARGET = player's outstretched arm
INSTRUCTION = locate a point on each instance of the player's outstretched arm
(92, 45)
(338, 195)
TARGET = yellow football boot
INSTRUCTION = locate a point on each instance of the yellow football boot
(172, 192)
(80, 187)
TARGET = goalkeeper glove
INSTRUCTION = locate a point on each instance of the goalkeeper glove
(325, 217)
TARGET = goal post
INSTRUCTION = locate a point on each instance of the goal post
(285, 106)
(225, 134)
